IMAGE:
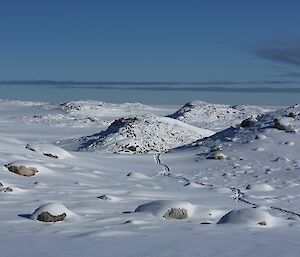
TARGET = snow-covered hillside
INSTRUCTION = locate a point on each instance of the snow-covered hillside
(215, 116)
(243, 182)
(139, 134)
(257, 160)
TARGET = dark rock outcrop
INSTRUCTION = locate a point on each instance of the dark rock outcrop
(47, 217)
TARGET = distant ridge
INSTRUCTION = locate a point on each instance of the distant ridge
(204, 86)
(203, 83)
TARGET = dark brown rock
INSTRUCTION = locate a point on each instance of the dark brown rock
(51, 155)
(47, 217)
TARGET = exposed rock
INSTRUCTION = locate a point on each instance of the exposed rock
(22, 170)
(51, 155)
(7, 190)
(292, 115)
(248, 187)
(176, 213)
(248, 122)
(1, 184)
(104, 197)
(47, 217)
(216, 149)
(262, 223)
(131, 148)
(218, 156)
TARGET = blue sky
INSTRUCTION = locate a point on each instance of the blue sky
(139, 40)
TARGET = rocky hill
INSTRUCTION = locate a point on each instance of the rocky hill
(139, 134)
(215, 116)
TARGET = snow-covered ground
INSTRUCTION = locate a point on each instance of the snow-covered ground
(235, 193)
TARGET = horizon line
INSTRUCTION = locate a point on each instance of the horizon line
(95, 83)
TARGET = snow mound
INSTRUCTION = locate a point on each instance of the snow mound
(139, 134)
(215, 116)
(137, 175)
(12, 189)
(160, 207)
(49, 150)
(252, 217)
(262, 187)
(55, 209)
(109, 198)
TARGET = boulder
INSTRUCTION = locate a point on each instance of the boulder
(168, 209)
(291, 115)
(218, 156)
(176, 213)
(22, 170)
(48, 217)
(281, 125)
(248, 122)
(52, 212)
(253, 217)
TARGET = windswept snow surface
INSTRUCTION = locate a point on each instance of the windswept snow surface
(244, 204)
(215, 116)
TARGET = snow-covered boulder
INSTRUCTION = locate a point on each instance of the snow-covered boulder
(139, 134)
(253, 217)
(168, 209)
(27, 168)
(49, 150)
(52, 212)
(283, 124)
